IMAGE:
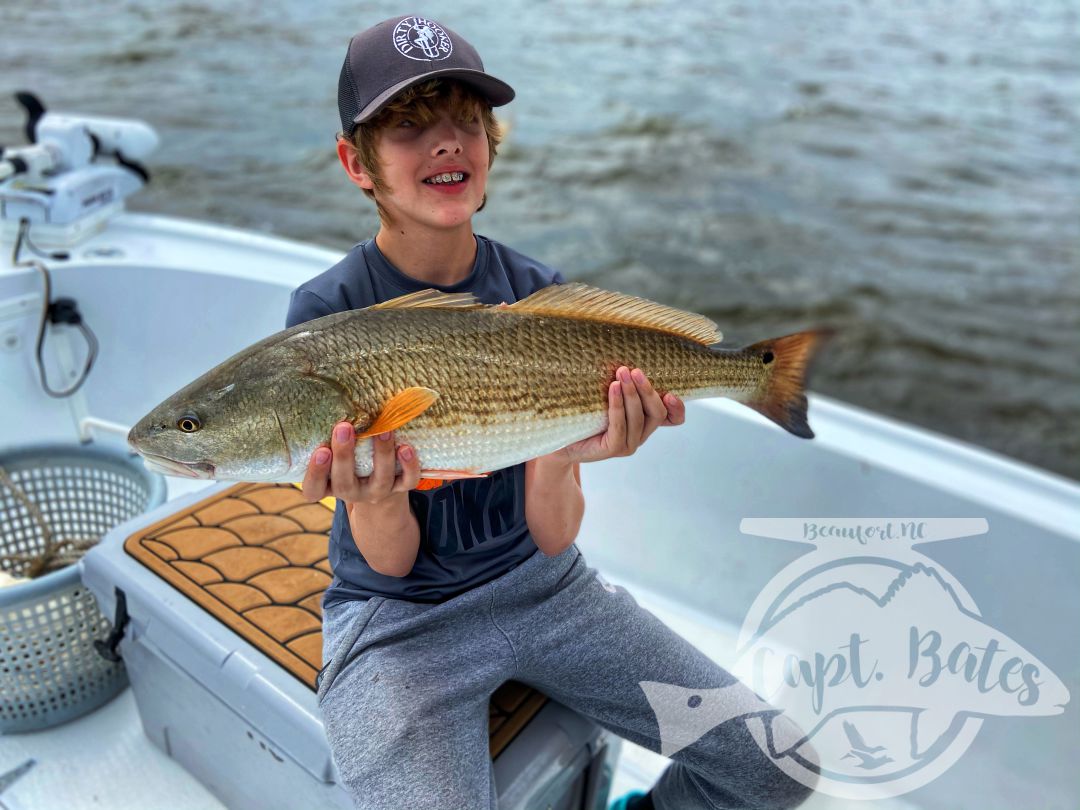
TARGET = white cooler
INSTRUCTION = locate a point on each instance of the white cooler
(246, 725)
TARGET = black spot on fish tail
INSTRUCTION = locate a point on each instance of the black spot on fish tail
(787, 360)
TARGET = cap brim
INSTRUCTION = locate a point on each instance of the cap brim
(495, 91)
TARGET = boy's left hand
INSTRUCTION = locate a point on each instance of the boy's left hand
(635, 410)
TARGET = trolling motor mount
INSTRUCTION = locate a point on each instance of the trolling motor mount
(58, 179)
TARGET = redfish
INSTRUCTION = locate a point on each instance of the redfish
(472, 388)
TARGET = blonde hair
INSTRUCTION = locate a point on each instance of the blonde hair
(422, 103)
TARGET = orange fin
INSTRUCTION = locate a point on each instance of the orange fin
(400, 410)
(593, 304)
(430, 483)
(452, 475)
(783, 397)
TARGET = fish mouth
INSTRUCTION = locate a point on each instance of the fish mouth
(185, 469)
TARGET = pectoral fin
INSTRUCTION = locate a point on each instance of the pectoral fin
(400, 410)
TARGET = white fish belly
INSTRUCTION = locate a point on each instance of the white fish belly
(483, 448)
(472, 448)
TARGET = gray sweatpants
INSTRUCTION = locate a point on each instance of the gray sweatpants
(405, 691)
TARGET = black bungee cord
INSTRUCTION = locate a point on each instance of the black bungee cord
(63, 310)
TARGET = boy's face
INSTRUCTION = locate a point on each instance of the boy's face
(412, 152)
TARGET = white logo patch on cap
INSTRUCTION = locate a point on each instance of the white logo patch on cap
(421, 39)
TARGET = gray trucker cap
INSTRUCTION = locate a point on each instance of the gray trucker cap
(402, 51)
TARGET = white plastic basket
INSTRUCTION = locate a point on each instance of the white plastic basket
(50, 671)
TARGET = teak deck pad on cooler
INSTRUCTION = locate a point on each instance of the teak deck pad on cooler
(255, 558)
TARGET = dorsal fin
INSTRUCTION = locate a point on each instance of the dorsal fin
(431, 299)
(593, 304)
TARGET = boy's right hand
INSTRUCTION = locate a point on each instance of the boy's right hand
(336, 475)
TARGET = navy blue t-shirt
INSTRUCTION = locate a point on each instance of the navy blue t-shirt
(473, 530)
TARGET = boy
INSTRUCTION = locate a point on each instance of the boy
(442, 594)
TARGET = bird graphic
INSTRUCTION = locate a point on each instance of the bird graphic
(857, 741)
(860, 750)
(868, 763)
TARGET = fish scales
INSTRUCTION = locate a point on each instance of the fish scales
(488, 364)
(509, 383)
(543, 381)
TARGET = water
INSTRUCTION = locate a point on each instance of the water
(906, 172)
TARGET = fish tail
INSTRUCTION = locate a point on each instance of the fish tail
(782, 394)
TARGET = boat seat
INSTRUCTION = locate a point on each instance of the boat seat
(254, 556)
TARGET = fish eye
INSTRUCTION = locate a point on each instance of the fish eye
(189, 423)
(767, 358)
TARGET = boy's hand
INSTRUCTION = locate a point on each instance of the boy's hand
(635, 410)
(335, 475)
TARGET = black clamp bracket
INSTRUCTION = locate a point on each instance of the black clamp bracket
(107, 648)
